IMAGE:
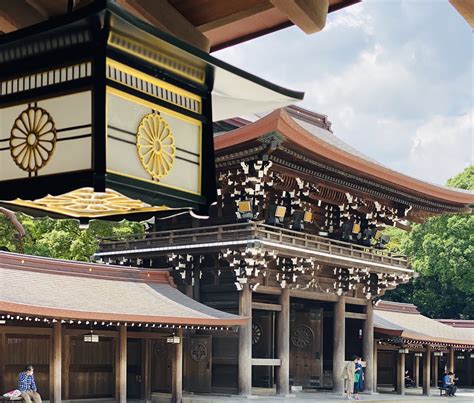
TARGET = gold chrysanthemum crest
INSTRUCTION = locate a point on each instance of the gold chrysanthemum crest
(155, 146)
(32, 139)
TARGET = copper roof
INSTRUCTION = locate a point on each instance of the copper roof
(315, 140)
(62, 289)
(404, 321)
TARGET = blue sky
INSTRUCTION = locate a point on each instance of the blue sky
(394, 76)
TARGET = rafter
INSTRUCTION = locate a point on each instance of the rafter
(308, 15)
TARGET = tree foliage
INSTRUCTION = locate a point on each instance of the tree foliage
(464, 180)
(441, 251)
(62, 239)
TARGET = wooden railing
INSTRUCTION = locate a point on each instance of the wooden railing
(252, 231)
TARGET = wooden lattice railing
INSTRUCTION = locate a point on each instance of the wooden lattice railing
(222, 234)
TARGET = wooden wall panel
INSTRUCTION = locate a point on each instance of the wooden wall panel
(21, 350)
(161, 366)
(387, 368)
(91, 369)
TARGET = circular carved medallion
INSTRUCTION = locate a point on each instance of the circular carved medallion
(302, 336)
(198, 352)
(155, 146)
(257, 332)
(32, 139)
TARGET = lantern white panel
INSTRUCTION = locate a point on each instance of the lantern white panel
(151, 143)
(46, 137)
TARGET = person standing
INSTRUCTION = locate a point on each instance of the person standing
(348, 376)
(27, 385)
(357, 377)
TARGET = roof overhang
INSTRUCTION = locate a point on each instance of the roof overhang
(298, 138)
(97, 292)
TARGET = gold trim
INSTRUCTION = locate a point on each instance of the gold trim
(154, 182)
(155, 81)
(32, 139)
(155, 145)
(84, 202)
(150, 50)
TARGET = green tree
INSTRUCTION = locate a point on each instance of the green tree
(62, 239)
(464, 180)
(441, 251)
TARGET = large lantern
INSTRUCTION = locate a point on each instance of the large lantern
(102, 115)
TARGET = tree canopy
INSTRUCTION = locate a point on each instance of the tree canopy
(441, 251)
(62, 239)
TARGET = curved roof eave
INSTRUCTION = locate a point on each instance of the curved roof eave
(98, 292)
(280, 121)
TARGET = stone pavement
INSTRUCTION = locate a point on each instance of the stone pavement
(412, 395)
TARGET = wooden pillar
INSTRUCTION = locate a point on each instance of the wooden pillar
(245, 342)
(339, 348)
(451, 360)
(56, 363)
(376, 349)
(416, 371)
(401, 374)
(427, 370)
(3, 353)
(435, 371)
(368, 347)
(283, 344)
(177, 370)
(121, 366)
(146, 370)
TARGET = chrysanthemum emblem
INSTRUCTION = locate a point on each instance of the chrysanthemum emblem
(32, 139)
(155, 146)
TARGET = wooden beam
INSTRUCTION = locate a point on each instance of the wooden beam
(314, 295)
(229, 19)
(263, 289)
(26, 330)
(356, 301)
(466, 9)
(177, 370)
(401, 374)
(266, 307)
(146, 369)
(368, 347)
(356, 315)
(283, 344)
(57, 362)
(2, 360)
(121, 366)
(164, 16)
(426, 371)
(17, 14)
(245, 342)
(66, 366)
(339, 345)
(308, 15)
(269, 362)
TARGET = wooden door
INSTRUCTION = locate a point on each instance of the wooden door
(134, 368)
(306, 364)
(198, 363)
(161, 365)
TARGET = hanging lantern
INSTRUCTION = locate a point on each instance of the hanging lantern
(102, 115)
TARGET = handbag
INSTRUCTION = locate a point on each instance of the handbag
(356, 377)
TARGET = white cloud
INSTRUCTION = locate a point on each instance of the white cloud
(386, 76)
(442, 147)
